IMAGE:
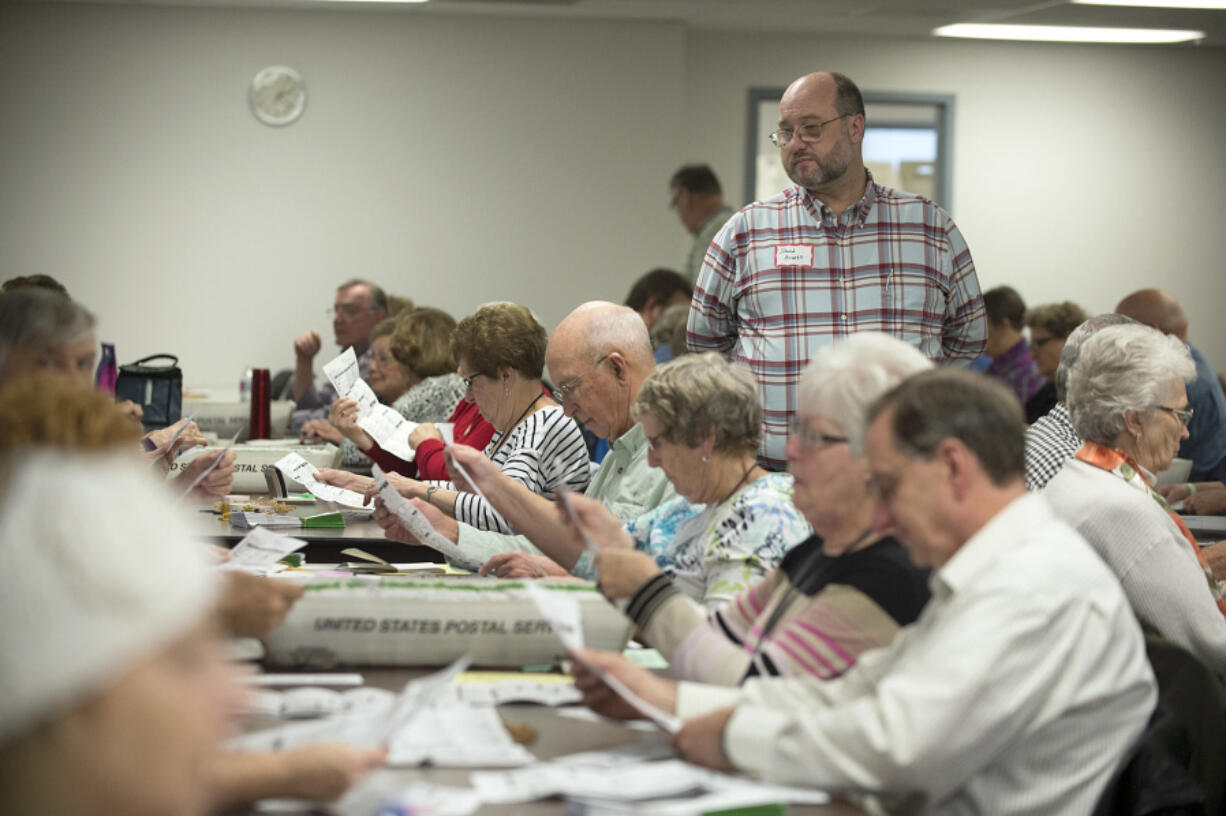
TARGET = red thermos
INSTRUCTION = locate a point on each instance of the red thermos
(259, 427)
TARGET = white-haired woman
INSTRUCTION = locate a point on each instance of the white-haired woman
(843, 590)
(1127, 399)
(732, 520)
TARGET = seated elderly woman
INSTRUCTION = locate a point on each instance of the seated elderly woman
(419, 351)
(1050, 326)
(105, 637)
(843, 590)
(42, 330)
(733, 520)
(1127, 399)
(49, 411)
(500, 351)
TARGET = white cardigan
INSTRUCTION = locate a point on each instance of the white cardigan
(1146, 550)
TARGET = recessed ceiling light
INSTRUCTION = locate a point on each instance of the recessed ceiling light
(1183, 4)
(1044, 33)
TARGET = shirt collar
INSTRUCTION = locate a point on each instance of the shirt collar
(1004, 531)
(858, 211)
(630, 443)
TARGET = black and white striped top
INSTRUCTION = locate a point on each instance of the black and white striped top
(544, 452)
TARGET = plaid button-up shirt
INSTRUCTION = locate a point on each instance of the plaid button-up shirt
(785, 277)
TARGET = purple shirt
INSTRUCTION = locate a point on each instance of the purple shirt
(1018, 370)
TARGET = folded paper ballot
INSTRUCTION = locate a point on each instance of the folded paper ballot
(262, 548)
(303, 472)
(385, 424)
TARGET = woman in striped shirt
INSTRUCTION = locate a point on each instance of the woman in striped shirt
(844, 590)
(500, 351)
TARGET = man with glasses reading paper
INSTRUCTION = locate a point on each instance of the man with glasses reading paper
(834, 255)
(359, 305)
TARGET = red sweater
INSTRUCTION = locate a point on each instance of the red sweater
(471, 429)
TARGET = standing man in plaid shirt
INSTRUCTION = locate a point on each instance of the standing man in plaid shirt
(836, 254)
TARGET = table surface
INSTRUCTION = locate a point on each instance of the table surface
(556, 736)
(324, 544)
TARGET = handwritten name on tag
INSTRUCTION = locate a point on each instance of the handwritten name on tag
(793, 255)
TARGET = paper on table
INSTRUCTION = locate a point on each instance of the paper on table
(521, 691)
(418, 525)
(372, 727)
(631, 782)
(303, 472)
(248, 519)
(451, 733)
(261, 548)
(562, 612)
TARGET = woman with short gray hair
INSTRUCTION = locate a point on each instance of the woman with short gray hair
(841, 591)
(1127, 400)
(734, 520)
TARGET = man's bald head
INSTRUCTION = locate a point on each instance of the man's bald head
(829, 85)
(599, 327)
(598, 357)
(1158, 309)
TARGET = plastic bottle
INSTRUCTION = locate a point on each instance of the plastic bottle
(108, 371)
(244, 386)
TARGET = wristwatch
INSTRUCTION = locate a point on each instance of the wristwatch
(430, 492)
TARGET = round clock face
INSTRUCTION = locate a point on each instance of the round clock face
(278, 95)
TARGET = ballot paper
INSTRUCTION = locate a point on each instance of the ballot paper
(525, 690)
(389, 428)
(375, 724)
(261, 548)
(562, 612)
(314, 701)
(303, 472)
(419, 525)
(216, 461)
(385, 425)
(632, 782)
(249, 519)
(158, 453)
(451, 733)
(346, 377)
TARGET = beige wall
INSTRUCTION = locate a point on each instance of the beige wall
(463, 159)
(455, 160)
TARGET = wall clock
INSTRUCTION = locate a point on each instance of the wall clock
(278, 95)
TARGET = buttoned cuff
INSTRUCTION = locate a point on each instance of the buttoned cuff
(696, 699)
(750, 737)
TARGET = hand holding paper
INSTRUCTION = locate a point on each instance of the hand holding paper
(599, 675)
(303, 472)
(615, 687)
(417, 524)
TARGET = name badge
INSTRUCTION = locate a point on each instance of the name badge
(794, 255)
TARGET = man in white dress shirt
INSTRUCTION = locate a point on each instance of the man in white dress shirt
(1021, 687)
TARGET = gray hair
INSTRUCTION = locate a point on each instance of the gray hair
(40, 318)
(951, 403)
(842, 380)
(1121, 369)
(693, 394)
(378, 297)
(1074, 341)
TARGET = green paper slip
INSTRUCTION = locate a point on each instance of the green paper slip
(332, 520)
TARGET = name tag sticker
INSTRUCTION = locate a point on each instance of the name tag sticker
(794, 255)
